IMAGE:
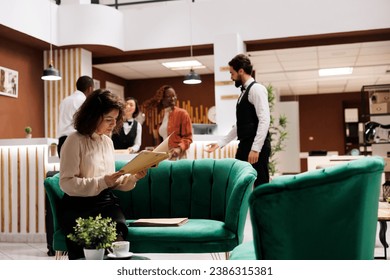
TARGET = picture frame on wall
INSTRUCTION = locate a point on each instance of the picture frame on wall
(96, 84)
(8, 82)
(117, 89)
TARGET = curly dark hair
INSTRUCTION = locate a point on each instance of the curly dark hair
(241, 61)
(136, 112)
(99, 103)
(156, 100)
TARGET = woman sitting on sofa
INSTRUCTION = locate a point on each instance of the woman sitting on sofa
(87, 167)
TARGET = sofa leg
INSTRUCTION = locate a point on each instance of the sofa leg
(217, 256)
(61, 255)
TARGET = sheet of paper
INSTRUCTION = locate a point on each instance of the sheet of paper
(144, 160)
(163, 147)
(159, 222)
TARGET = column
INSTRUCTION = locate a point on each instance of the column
(72, 63)
(226, 94)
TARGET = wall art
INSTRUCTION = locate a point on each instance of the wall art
(8, 82)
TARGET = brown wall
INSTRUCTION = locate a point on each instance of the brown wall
(28, 108)
(322, 117)
(104, 77)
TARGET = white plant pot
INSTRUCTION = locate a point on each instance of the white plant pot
(94, 254)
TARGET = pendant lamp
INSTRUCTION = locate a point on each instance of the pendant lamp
(191, 78)
(51, 73)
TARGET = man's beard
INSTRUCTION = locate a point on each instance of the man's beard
(238, 83)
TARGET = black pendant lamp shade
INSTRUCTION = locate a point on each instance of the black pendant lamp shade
(192, 78)
(51, 74)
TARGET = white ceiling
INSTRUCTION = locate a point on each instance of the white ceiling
(290, 71)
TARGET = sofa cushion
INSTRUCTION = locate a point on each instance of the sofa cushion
(182, 239)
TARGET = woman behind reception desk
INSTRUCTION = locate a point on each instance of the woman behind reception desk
(129, 137)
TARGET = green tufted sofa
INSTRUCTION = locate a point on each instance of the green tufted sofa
(324, 214)
(213, 194)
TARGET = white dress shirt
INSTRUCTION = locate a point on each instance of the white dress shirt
(163, 129)
(258, 96)
(138, 138)
(69, 105)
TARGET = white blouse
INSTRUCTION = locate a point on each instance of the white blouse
(85, 161)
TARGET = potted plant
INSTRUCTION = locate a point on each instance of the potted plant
(95, 235)
(28, 131)
(277, 130)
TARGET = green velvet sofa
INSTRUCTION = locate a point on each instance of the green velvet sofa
(324, 214)
(213, 194)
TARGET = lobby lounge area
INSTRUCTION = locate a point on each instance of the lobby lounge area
(316, 110)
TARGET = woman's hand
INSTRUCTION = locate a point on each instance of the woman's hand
(175, 153)
(111, 179)
(141, 174)
(128, 182)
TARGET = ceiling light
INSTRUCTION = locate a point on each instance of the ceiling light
(51, 73)
(183, 65)
(335, 71)
(192, 78)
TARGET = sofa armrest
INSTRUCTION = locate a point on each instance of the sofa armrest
(237, 204)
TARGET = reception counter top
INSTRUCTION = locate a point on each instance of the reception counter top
(27, 141)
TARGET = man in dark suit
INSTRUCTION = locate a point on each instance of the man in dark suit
(253, 120)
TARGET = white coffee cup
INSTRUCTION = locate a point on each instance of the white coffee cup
(120, 248)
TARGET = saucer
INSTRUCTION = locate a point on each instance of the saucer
(112, 256)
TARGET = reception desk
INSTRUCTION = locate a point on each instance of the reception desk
(23, 166)
(197, 149)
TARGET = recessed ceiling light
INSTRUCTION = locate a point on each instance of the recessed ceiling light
(335, 71)
(183, 65)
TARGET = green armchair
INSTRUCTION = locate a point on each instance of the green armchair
(326, 214)
(213, 194)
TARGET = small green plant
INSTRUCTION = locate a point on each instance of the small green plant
(277, 131)
(28, 129)
(94, 233)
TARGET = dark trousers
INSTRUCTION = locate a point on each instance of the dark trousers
(261, 166)
(73, 207)
(61, 141)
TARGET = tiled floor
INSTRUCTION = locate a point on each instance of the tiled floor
(38, 251)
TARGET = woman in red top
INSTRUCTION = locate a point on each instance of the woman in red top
(176, 121)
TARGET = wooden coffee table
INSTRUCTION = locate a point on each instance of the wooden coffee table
(383, 218)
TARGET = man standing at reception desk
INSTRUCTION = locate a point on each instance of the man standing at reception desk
(252, 120)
